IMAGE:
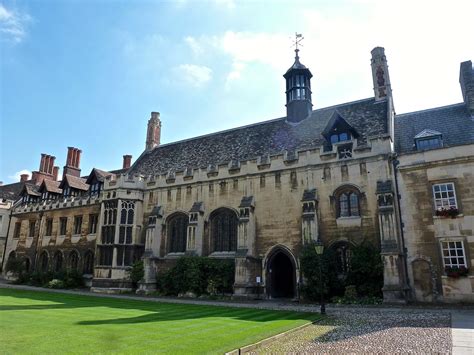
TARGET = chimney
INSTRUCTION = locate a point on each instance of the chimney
(127, 161)
(466, 79)
(55, 173)
(45, 170)
(73, 162)
(153, 131)
(24, 177)
(380, 75)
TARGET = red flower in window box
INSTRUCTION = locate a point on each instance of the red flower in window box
(456, 271)
(447, 212)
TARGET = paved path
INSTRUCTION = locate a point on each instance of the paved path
(462, 319)
(462, 328)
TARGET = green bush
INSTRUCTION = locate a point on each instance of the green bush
(15, 265)
(366, 271)
(55, 283)
(137, 272)
(199, 275)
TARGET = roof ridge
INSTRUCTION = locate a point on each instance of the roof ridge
(430, 109)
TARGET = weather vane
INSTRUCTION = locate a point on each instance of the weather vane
(297, 41)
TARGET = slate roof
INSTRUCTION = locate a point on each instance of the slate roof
(11, 191)
(271, 137)
(453, 122)
(52, 186)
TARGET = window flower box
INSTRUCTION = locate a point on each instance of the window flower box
(456, 271)
(452, 212)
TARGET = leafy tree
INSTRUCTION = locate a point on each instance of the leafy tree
(366, 270)
(137, 272)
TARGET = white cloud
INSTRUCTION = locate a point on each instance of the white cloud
(193, 44)
(194, 75)
(16, 176)
(13, 24)
(230, 4)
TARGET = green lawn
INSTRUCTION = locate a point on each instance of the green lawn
(51, 323)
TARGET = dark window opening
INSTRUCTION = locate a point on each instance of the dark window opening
(177, 232)
(224, 230)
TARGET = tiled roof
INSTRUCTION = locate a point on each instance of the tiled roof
(75, 182)
(32, 189)
(52, 186)
(11, 191)
(271, 137)
(453, 122)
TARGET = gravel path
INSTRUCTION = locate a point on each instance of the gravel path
(356, 332)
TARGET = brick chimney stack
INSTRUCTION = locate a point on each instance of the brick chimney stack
(127, 161)
(73, 162)
(24, 177)
(466, 79)
(45, 171)
(153, 133)
(55, 173)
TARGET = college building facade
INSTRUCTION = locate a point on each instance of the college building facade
(342, 175)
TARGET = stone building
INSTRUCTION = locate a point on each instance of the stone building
(436, 182)
(54, 223)
(256, 194)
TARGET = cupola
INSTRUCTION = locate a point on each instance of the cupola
(298, 89)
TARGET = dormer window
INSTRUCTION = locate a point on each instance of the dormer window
(67, 191)
(340, 137)
(45, 196)
(95, 188)
(428, 139)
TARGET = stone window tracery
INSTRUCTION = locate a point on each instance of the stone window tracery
(44, 262)
(73, 260)
(347, 202)
(88, 267)
(177, 226)
(223, 230)
(58, 261)
(125, 252)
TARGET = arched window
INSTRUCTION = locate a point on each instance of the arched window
(223, 230)
(44, 261)
(88, 262)
(348, 204)
(58, 261)
(73, 260)
(177, 226)
(343, 257)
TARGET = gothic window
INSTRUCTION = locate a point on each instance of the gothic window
(49, 227)
(62, 225)
(347, 200)
(105, 255)
(77, 224)
(343, 257)
(110, 218)
(32, 229)
(58, 261)
(125, 250)
(88, 262)
(177, 226)
(73, 260)
(223, 230)
(44, 261)
(93, 219)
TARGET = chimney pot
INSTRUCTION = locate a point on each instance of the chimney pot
(24, 177)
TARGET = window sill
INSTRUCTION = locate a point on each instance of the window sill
(174, 255)
(223, 254)
(348, 222)
(448, 217)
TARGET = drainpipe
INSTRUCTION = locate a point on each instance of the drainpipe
(396, 163)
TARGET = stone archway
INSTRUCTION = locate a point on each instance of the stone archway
(281, 275)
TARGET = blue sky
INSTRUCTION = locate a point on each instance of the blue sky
(88, 73)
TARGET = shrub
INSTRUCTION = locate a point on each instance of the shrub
(199, 275)
(329, 284)
(137, 272)
(366, 271)
(15, 265)
(55, 283)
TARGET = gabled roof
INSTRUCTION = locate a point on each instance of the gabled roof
(11, 191)
(367, 117)
(50, 186)
(453, 122)
(74, 182)
(30, 189)
(428, 133)
(337, 123)
(100, 175)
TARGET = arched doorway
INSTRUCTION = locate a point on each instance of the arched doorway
(281, 275)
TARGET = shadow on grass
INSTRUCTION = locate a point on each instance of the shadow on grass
(160, 312)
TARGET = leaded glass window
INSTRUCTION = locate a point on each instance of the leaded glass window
(224, 230)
